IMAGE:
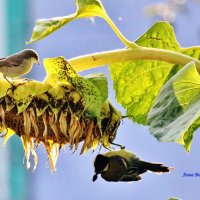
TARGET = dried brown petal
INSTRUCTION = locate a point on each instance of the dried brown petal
(44, 120)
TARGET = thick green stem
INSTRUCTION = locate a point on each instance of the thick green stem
(123, 55)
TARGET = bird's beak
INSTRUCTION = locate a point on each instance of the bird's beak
(94, 178)
(38, 62)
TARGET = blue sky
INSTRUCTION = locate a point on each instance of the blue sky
(73, 178)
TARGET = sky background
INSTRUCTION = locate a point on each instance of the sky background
(73, 178)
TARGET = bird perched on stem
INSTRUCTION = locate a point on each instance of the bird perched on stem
(124, 166)
(18, 64)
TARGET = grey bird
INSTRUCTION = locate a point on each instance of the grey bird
(124, 166)
(18, 64)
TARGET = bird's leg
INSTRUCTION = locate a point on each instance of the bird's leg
(100, 148)
(12, 85)
(119, 145)
(4, 76)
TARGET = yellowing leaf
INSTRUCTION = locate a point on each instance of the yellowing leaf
(59, 70)
(24, 93)
(56, 99)
(5, 87)
(56, 70)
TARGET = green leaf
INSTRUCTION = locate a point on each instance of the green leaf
(41, 103)
(44, 27)
(25, 91)
(5, 88)
(90, 8)
(137, 83)
(175, 114)
(56, 71)
(85, 8)
(56, 99)
(101, 82)
(59, 70)
(187, 86)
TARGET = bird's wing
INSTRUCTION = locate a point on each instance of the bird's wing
(116, 170)
(135, 167)
(15, 61)
(4, 62)
(129, 178)
(123, 171)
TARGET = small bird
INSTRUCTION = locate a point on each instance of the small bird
(18, 64)
(124, 166)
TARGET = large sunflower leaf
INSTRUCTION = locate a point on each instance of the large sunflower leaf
(175, 114)
(137, 83)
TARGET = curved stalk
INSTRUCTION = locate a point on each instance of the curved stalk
(94, 60)
(127, 42)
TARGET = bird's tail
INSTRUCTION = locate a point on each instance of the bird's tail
(156, 167)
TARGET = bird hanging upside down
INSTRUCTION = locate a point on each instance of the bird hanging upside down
(124, 166)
